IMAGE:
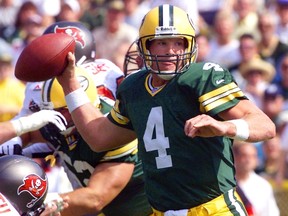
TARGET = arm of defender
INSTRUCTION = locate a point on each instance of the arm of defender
(33, 122)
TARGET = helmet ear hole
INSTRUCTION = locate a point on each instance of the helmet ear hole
(148, 44)
(186, 43)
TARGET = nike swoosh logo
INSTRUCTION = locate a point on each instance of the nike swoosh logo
(219, 81)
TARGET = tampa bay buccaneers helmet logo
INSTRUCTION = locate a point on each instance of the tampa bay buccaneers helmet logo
(35, 186)
(75, 32)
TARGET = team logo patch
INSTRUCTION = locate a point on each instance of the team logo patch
(33, 107)
(75, 32)
(35, 186)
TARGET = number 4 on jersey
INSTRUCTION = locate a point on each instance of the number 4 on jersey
(155, 140)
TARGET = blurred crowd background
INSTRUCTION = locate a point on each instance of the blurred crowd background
(248, 37)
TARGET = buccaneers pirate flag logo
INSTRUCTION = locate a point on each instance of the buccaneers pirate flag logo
(75, 32)
(35, 186)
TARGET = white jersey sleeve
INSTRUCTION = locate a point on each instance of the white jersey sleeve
(32, 98)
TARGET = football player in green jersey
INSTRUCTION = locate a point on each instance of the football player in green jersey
(184, 114)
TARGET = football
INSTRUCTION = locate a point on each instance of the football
(45, 57)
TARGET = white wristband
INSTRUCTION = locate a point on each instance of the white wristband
(17, 126)
(242, 129)
(76, 99)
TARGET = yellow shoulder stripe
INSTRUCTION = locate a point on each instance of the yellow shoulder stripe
(220, 96)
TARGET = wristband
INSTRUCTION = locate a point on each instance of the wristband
(76, 99)
(242, 129)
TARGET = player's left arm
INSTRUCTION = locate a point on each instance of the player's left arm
(7, 131)
(251, 124)
(33, 122)
(106, 182)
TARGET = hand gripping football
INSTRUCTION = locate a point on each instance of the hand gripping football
(44, 58)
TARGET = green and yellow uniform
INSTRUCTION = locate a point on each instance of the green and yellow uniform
(180, 172)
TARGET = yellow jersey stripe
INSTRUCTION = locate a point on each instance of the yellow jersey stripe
(218, 91)
(220, 96)
(130, 148)
(119, 118)
(223, 100)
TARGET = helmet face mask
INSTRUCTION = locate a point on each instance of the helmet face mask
(133, 61)
(162, 22)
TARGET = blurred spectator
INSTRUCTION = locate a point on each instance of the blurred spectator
(270, 167)
(283, 81)
(91, 15)
(248, 50)
(114, 32)
(33, 28)
(270, 47)
(135, 10)
(257, 74)
(282, 26)
(273, 106)
(16, 32)
(256, 188)
(203, 47)
(209, 8)
(48, 7)
(8, 11)
(223, 48)
(246, 15)
(11, 90)
(69, 11)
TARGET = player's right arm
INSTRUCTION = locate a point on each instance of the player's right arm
(89, 119)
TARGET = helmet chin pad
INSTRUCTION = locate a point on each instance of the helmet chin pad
(165, 75)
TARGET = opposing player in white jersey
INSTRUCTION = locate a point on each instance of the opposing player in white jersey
(106, 75)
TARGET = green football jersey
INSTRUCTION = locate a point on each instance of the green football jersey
(180, 172)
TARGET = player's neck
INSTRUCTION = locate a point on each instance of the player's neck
(157, 81)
